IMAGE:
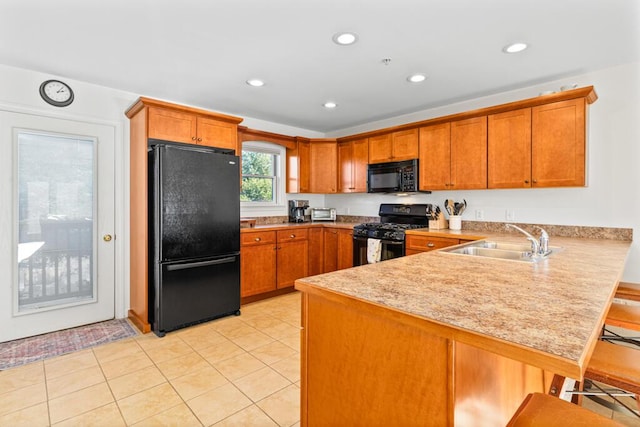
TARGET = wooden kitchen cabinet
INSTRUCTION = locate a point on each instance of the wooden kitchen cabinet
(417, 244)
(435, 157)
(316, 250)
(469, 154)
(558, 143)
(298, 166)
(179, 126)
(257, 263)
(323, 166)
(353, 158)
(338, 249)
(292, 256)
(150, 118)
(394, 146)
(271, 261)
(453, 156)
(542, 146)
(509, 149)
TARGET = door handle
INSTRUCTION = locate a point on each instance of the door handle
(107, 237)
(185, 266)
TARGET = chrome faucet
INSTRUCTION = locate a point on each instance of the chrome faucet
(544, 241)
(535, 246)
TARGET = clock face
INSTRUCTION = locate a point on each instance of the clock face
(56, 93)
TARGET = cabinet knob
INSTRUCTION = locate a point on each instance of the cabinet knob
(430, 245)
(193, 138)
(526, 181)
(257, 239)
(293, 236)
(199, 139)
(535, 181)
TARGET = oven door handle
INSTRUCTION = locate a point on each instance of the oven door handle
(384, 242)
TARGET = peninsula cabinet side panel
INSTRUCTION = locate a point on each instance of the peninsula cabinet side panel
(363, 369)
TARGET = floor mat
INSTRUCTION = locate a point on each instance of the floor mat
(40, 347)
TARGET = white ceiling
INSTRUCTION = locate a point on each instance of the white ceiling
(201, 52)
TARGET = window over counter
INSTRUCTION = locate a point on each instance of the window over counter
(262, 175)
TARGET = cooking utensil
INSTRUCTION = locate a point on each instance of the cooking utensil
(448, 205)
(463, 207)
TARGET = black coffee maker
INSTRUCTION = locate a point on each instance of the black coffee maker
(296, 210)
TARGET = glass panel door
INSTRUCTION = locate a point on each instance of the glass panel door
(56, 186)
(57, 219)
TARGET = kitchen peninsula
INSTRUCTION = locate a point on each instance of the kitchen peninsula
(447, 339)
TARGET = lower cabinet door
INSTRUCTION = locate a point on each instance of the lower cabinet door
(292, 262)
(330, 250)
(345, 249)
(257, 269)
(316, 251)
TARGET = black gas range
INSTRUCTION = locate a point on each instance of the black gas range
(389, 233)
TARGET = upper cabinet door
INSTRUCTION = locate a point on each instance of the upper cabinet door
(558, 144)
(405, 145)
(304, 153)
(435, 157)
(171, 125)
(352, 166)
(345, 167)
(469, 154)
(380, 150)
(324, 161)
(509, 149)
(360, 162)
(215, 133)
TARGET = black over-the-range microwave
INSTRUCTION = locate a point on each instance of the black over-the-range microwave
(393, 177)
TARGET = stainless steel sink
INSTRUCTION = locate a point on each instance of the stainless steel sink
(499, 250)
(502, 245)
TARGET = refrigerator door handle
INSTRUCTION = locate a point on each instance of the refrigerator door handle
(175, 267)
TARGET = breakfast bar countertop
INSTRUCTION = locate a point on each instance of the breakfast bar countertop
(548, 312)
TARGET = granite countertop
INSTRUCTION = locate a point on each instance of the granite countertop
(553, 308)
(287, 225)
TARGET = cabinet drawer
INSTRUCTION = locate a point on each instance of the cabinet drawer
(427, 243)
(293, 235)
(257, 238)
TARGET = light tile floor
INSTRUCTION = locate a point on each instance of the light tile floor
(235, 371)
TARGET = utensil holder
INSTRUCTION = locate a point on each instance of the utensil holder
(437, 224)
(455, 222)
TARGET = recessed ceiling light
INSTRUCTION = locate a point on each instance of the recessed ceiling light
(416, 78)
(329, 104)
(345, 39)
(515, 47)
(255, 82)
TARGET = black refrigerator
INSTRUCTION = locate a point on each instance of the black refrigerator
(194, 235)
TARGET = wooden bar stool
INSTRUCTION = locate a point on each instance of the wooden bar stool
(630, 291)
(542, 410)
(623, 316)
(616, 365)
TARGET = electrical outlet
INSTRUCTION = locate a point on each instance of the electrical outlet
(479, 214)
(510, 215)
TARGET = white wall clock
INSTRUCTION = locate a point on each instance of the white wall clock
(56, 93)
